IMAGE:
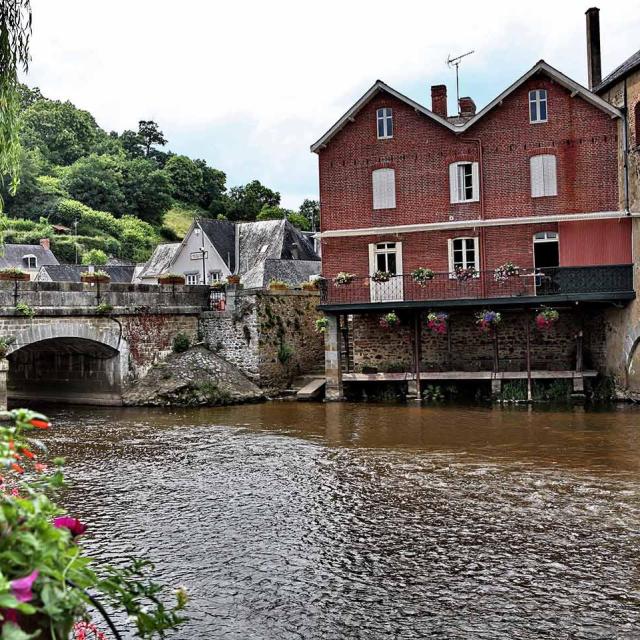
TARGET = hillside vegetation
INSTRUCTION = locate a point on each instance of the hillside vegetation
(118, 192)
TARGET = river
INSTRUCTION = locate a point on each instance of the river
(342, 521)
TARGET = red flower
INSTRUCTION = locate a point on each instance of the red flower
(39, 424)
(16, 467)
(40, 467)
(28, 453)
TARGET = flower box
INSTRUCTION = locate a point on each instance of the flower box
(343, 278)
(505, 271)
(381, 276)
(422, 276)
(233, 279)
(310, 285)
(15, 275)
(278, 285)
(171, 279)
(95, 277)
(463, 275)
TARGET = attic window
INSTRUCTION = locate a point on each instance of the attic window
(384, 119)
(30, 261)
(538, 106)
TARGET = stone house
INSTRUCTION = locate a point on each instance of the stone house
(514, 209)
(212, 250)
(28, 257)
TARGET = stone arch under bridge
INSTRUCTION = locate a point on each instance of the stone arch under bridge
(81, 360)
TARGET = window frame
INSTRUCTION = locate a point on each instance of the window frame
(379, 172)
(384, 116)
(536, 98)
(27, 258)
(192, 274)
(384, 248)
(215, 272)
(547, 181)
(454, 181)
(475, 240)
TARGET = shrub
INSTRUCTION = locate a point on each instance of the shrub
(181, 343)
(24, 309)
(94, 257)
(104, 308)
(285, 352)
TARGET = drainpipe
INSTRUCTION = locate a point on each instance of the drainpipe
(625, 150)
(481, 192)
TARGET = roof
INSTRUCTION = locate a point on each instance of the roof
(456, 127)
(293, 272)
(222, 235)
(619, 73)
(11, 255)
(71, 272)
(160, 260)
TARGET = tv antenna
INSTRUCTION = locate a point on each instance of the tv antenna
(455, 62)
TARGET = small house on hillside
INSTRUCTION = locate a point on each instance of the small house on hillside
(28, 257)
(212, 250)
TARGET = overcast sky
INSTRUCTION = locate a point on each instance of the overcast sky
(249, 85)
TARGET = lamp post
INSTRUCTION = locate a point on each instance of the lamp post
(75, 231)
(204, 270)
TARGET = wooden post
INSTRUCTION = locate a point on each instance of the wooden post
(449, 364)
(496, 359)
(579, 354)
(417, 339)
(528, 334)
(344, 329)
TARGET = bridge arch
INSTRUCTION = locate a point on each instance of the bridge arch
(75, 360)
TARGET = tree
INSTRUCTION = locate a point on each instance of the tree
(213, 185)
(61, 131)
(150, 134)
(147, 190)
(95, 257)
(246, 202)
(186, 178)
(97, 181)
(299, 221)
(132, 144)
(15, 33)
(310, 209)
(29, 95)
(272, 213)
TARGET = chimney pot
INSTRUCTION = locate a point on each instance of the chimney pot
(439, 100)
(467, 107)
(594, 63)
(45, 243)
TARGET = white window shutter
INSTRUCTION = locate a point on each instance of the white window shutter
(476, 252)
(384, 188)
(453, 181)
(399, 270)
(450, 250)
(475, 179)
(537, 176)
(372, 259)
(549, 175)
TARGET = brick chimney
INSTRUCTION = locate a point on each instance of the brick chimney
(467, 107)
(594, 65)
(45, 244)
(439, 100)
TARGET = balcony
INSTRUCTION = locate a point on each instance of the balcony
(548, 286)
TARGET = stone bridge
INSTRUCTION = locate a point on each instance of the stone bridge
(85, 345)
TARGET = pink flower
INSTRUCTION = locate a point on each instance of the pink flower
(74, 525)
(21, 587)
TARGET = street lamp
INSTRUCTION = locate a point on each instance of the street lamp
(75, 227)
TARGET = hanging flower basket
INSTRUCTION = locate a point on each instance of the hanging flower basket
(389, 320)
(437, 322)
(505, 271)
(381, 276)
(14, 275)
(546, 318)
(343, 278)
(322, 324)
(95, 277)
(487, 320)
(422, 276)
(171, 279)
(463, 274)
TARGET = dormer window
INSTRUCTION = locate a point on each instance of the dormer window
(385, 123)
(537, 106)
(30, 261)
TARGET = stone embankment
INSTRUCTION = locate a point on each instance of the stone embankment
(196, 377)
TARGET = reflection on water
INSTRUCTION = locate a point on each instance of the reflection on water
(341, 521)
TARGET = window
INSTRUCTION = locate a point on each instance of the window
(538, 105)
(385, 256)
(384, 119)
(384, 189)
(191, 278)
(214, 276)
(546, 236)
(543, 176)
(464, 182)
(463, 253)
(30, 261)
(636, 123)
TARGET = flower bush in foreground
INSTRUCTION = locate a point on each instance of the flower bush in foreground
(47, 583)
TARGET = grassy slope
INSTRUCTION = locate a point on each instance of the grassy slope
(180, 217)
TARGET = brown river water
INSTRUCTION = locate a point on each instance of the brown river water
(336, 521)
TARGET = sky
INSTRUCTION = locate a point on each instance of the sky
(250, 85)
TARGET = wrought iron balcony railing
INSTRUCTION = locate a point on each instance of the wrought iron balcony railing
(560, 281)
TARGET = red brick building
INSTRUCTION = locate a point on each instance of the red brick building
(531, 180)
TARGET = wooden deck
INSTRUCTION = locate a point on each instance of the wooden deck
(461, 376)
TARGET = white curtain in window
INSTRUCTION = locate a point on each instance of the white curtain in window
(384, 189)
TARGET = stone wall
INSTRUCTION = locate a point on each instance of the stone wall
(269, 335)
(465, 348)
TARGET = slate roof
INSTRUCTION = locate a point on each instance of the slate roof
(222, 235)
(71, 272)
(630, 64)
(11, 255)
(160, 260)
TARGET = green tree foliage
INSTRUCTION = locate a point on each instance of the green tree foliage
(147, 190)
(132, 144)
(246, 202)
(15, 33)
(150, 134)
(186, 178)
(273, 213)
(95, 257)
(310, 209)
(299, 221)
(61, 131)
(213, 187)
